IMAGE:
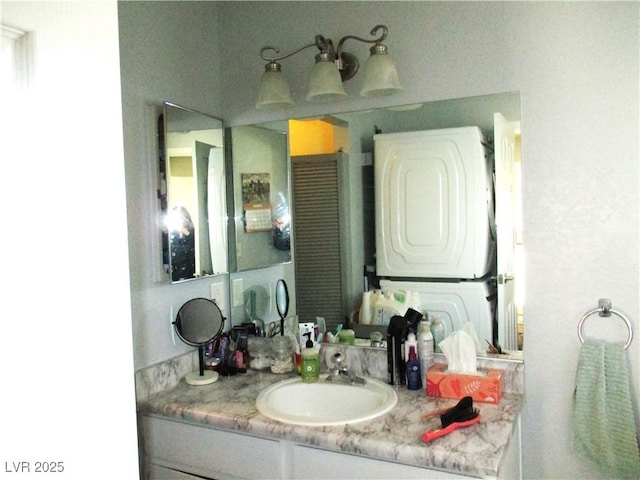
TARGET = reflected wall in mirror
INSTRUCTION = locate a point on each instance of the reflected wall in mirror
(345, 143)
(262, 222)
(192, 194)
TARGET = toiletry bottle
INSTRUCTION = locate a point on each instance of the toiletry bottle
(396, 334)
(242, 355)
(411, 341)
(365, 309)
(414, 378)
(437, 330)
(310, 362)
(241, 358)
(425, 346)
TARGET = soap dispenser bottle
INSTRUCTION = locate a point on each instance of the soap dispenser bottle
(310, 362)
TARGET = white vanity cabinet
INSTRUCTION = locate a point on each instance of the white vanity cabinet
(176, 450)
(207, 452)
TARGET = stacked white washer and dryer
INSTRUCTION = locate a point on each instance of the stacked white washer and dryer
(435, 229)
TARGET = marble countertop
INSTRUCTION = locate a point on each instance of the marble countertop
(229, 404)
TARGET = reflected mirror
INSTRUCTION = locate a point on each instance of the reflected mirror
(282, 302)
(192, 194)
(262, 222)
(337, 219)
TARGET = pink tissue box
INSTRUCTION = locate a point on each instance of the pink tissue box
(486, 388)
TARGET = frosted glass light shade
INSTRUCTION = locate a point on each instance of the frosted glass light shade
(274, 92)
(325, 84)
(380, 76)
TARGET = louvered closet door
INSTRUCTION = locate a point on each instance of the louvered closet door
(317, 246)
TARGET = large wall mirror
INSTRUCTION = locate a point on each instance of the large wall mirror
(261, 229)
(192, 194)
(333, 205)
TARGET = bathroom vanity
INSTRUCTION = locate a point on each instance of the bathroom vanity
(215, 431)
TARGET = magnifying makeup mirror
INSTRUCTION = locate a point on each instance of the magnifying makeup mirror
(199, 321)
(282, 302)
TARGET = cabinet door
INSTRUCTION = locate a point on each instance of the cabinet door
(207, 452)
(311, 463)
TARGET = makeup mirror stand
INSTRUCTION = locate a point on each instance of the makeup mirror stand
(199, 322)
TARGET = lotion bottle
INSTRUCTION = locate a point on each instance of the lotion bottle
(425, 346)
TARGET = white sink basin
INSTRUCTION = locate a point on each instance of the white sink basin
(325, 403)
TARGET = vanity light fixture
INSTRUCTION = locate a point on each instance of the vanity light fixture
(332, 68)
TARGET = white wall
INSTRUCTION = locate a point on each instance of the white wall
(169, 51)
(66, 355)
(576, 66)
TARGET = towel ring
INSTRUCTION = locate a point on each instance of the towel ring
(604, 310)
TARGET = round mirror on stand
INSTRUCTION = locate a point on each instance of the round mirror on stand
(282, 302)
(199, 321)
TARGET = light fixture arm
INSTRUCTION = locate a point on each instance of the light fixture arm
(277, 55)
(374, 31)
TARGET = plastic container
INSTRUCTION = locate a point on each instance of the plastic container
(259, 353)
(283, 354)
(347, 336)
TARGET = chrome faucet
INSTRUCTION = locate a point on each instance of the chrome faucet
(340, 373)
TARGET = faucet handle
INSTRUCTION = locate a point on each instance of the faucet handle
(337, 360)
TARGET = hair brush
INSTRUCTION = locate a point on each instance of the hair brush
(461, 415)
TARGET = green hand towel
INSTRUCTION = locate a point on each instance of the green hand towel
(604, 430)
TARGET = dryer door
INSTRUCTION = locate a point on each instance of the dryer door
(433, 193)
